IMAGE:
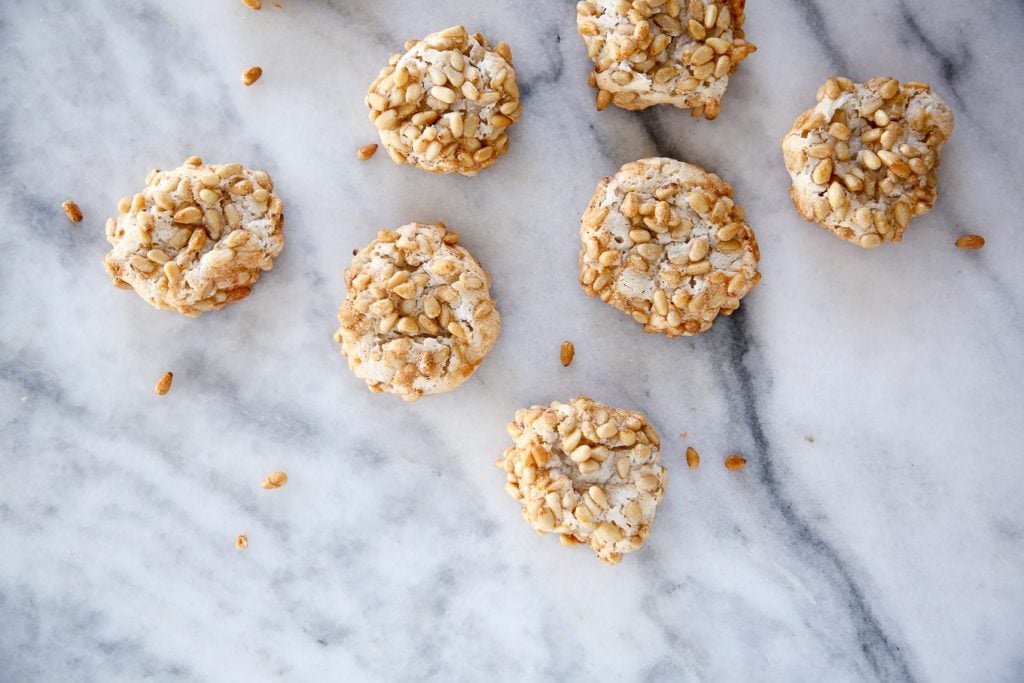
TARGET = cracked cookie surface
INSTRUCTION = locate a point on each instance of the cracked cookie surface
(664, 242)
(863, 160)
(418, 317)
(196, 238)
(445, 104)
(664, 52)
(588, 472)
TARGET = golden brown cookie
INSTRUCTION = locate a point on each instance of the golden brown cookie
(445, 104)
(674, 52)
(418, 318)
(664, 242)
(196, 238)
(863, 160)
(588, 472)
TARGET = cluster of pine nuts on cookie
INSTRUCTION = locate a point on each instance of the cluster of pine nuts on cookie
(586, 471)
(664, 242)
(418, 317)
(649, 52)
(863, 160)
(445, 104)
(196, 237)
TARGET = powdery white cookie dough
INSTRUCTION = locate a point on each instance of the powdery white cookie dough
(197, 237)
(663, 241)
(588, 472)
(863, 160)
(418, 317)
(674, 52)
(444, 105)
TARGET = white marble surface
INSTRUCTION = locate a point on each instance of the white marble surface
(877, 533)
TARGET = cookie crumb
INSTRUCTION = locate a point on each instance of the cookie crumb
(163, 385)
(252, 4)
(242, 542)
(568, 352)
(735, 462)
(692, 458)
(366, 152)
(275, 480)
(71, 209)
(965, 242)
(252, 74)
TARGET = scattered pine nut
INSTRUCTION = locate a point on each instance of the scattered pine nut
(692, 458)
(252, 4)
(366, 152)
(568, 352)
(275, 480)
(71, 209)
(163, 385)
(735, 462)
(970, 242)
(242, 542)
(251, 75)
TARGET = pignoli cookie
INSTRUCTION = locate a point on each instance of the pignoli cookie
(664, 241)
(196, 238)
(676, 52)
(418, 318)
(444, 106)
(588, 472)
(863, 160)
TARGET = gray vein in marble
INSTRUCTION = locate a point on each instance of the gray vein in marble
(883, 655)
(815, 19)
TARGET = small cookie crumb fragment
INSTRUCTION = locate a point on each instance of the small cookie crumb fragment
(251, 75)
(163, 385)
(367, 151)
(252, 4)
(735, 462)
(275, 480)
(692, 458)
(71, 209)
(568, 352)
(242, 542)
(970, 242)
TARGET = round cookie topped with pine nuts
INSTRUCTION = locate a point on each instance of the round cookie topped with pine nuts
(588, 472)
(678, 52)
(664, 241)
(418, 317)
(444, 105)
(863, 160)
(196, 238)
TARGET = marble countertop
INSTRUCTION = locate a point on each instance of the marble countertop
(876, 534)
